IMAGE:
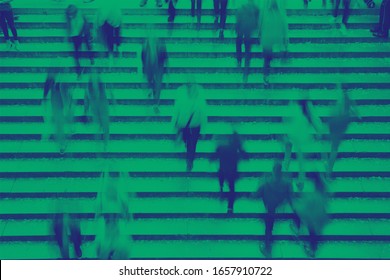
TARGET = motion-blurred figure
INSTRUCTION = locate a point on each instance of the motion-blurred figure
(299, 125)
(310, 209)
(95, 100)
(247, 21)
(61, 107)
(112, 216)
(275, 192)
(67, 231)
(110, 21)
(79, 31)
(196, 5)
(189, 118)
(346, 12)
(171, 10)
(381, 30)
(273, 32)
(342, 115)
(154, 59)
(229, 151)
(220, 11)
(7, 20)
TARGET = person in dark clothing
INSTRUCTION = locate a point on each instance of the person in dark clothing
(229, 152)
(381, 30)
(154, 59)
(220, 11)
(276, 191)
(61, 107)
(110, 23)
(339, 121)
(79, 31)
(197, 5)
(65, 230)
(190, 118)
(346, 12)
(171, 10)
(7, 20)
(310, 208)
(247, 21)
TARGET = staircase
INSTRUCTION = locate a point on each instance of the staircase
(179, 214)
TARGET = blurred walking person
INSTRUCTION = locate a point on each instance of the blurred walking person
(220, 11)
(95, 100)
(381, 30)
(171, 10)
(299, 124)
(229, 152)
(342, 115)
(67, 232)
(61, 107)
(247, 19)
(190, 118)
(110, 22)
(275, 192)
(112, 217)
(154, 59)
(7, 21)
(79, 31)
(196, 9)
(273, 32)
(310, 209)
(346, 13)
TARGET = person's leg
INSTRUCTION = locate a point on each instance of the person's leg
(313, 240)
(216, 10)
(336, 8)
(346, 11)
(193, 8)
(223, 12)
(117, 37)
(158, 85)
(336, 140)
(171, 12)
(88, 41)
(269, 225)
(199, 12)
(248, 54)
(221, 180)
(267, 64)
(143, 3)
(239, 41)
(191, 147)
(75, 236)
(4, 26)
(232, 195)
(9, 16)
(287, 155)
(77, 40)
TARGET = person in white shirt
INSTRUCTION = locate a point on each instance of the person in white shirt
(190, 118)
(109, 21)
(79, 31)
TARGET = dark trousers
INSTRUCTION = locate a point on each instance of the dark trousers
(269, 221)
(77, 42)
(313, 237)
(384, 17)
(346, 12)
(231, 180)
(190, 138)
(267, 61)
(155, 82)
(75, 238)
(246, 39)
(171, 12)
(196, 5)
(112, 36)
(220, 11)
(7, 20)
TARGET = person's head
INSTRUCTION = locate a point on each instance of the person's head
(71, 11)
